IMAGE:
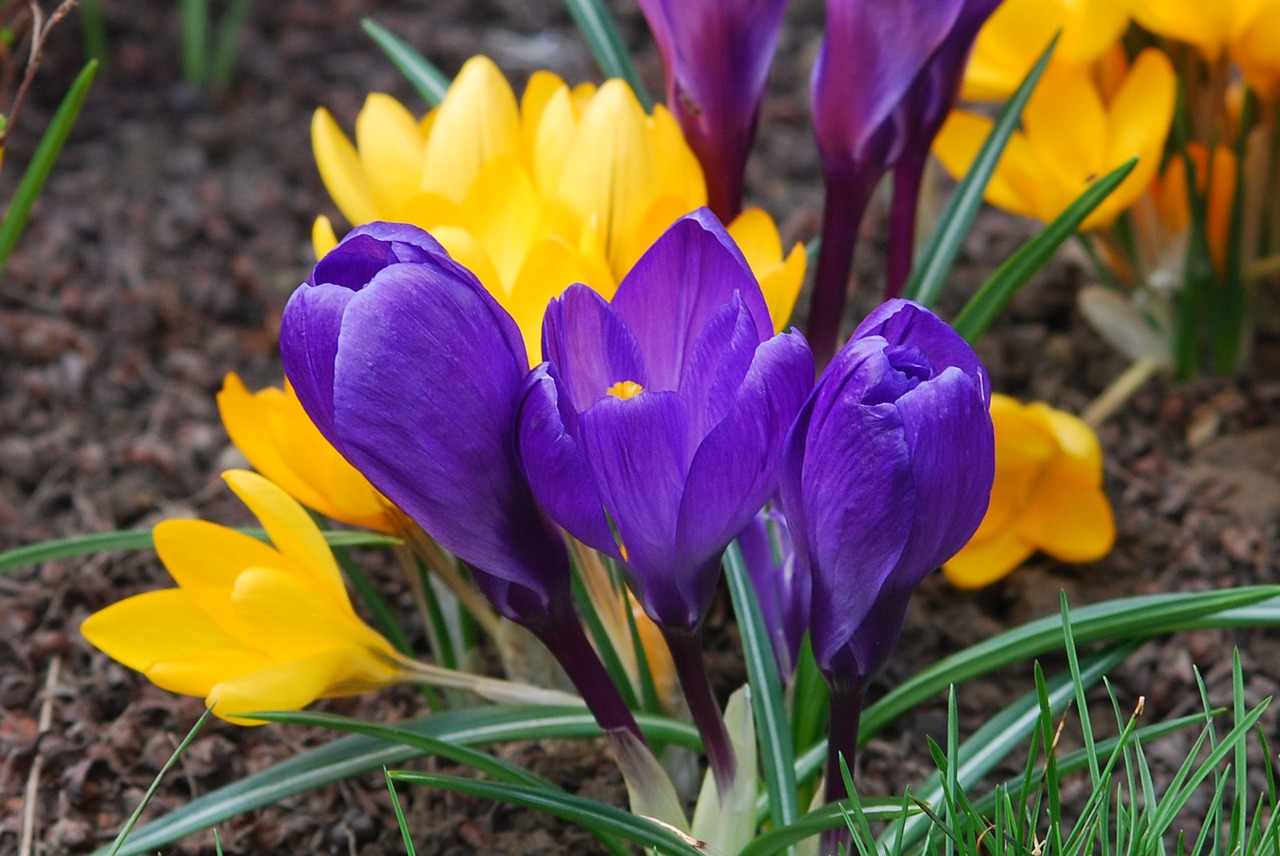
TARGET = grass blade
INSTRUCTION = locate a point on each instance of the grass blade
(598, 817)
(409, 849)
(600, 32)
(37, 172)
(432, 83)
(979, 312)
(140, 539)
(933, 265)
(155, 783)
(224, 52)
(777, 755)
(1130, 618)
(195, 42)
(358, 754)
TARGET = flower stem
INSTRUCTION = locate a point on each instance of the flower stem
(691, 669)
(842, 740)
(907, 176)
(563, 636)
(846, 202)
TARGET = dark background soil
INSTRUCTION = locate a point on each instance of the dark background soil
(158, 259)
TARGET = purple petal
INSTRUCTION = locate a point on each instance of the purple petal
(309, 331)
(590, 346)
(870, 55)
(716, 55)
(719, 361)
(782, 591)
(636, 451)
(735, 469)
(426, 387)
(367, 249)
(857, 487)
(553, 462)
(903, 321)
(677, 286)
(952, 449)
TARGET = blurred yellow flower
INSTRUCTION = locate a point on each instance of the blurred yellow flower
(250, 627)
(1248, 30)
(570, 185)
(273, 431)
(1047, 495)
(1070, 137)
(1019, 30)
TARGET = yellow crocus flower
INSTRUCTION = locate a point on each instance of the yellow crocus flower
(1047, 495)
(568, 185)
(1019, 30)
(1173, 202)
(250, 626)
(272, 430)
(1247, 30)
(1255, 46)
(1071, 135)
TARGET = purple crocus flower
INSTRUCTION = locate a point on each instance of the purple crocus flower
(782, 588)
(653, 431)
(887, 474)
(885, 77)
(413, 371)
(716, 55)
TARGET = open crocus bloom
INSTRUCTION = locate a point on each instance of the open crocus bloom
(271, 429)
(250, 627)
(653, 431)
(567, 186)
(1072, 136)
(1047, 495)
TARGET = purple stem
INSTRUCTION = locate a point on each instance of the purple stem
(907, 176)
(569, 645)
(842, 739)
(691, 669)
(846, 203)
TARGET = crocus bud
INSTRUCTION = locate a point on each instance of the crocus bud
(413, 372)
(887, 474)
(885, 75)
(716, 55)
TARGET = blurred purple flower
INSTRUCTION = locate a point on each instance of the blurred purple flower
(885, 77)
(716, 55)
(413, 371)
(782, 588)
(654, 430)
(887, 474)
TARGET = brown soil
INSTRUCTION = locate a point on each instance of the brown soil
(158, 259)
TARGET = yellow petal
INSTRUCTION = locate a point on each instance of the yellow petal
(1075, 440)
(1066, 122)
(756, 235)
(551, 266)
(429, 211)
(477, 121)
(168, 625)
(341, 170)
(466, 251)
(679, 172)
(1202, 23)
(1139, 117)
(273, 431)
(1256, 48)
(295, 684)
(614, 171)
(548, 121)
(390, 148)
(205, 559)
(982, 562)
(292, 531)
(1069, 520)
(293, 618)
(957, 145)
(1008, 45)
(502, 212)
(322, 237)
